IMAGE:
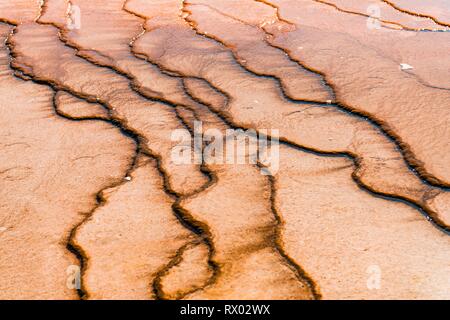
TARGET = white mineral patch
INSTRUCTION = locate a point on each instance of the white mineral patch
(405, 66)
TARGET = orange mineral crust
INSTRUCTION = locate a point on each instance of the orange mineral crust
(225, 149)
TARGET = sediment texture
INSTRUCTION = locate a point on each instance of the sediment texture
(353, 204)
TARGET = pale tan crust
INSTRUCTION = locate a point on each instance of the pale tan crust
(93, 204)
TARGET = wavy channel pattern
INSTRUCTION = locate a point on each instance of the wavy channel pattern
(96, 205)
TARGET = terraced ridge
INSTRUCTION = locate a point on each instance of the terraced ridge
(92, 194)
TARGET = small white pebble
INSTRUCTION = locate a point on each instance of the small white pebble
(329, 101)
(405, 66)
(128, 178)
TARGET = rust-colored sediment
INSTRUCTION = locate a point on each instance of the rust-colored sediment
(91, 194)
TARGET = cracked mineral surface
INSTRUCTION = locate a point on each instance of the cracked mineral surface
(224, 149)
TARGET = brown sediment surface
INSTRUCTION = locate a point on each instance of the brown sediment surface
(92, 185)
(65, 70)
(73, 107)
(246, 231)
(245, 249)
(374, 74)
(20, 11)
(51, 171)
(190, 263)
(381, 167)
(130, 237)
(387, 14)
(436, 11)
(355, 233)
